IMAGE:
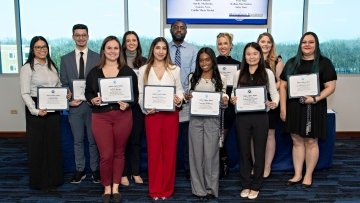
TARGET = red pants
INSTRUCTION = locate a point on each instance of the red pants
(111, 131)
(161, 136)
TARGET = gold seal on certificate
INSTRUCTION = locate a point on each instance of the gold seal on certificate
(228, 70)
(116, 89)
(160, 98)
(52, 98)
(79, 90)
(205, 103)
(303, 85)
(250, 99)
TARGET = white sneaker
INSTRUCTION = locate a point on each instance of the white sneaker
(244, 193)
(253, 194)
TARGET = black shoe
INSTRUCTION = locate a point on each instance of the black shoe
(106, 198)
(187, 175)
(78, 177)
(117, 198)
(200, 197)
(305, 186)
(210, 196)
(95, 177)
(291, 183)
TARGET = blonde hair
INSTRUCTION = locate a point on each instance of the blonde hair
(227, 35)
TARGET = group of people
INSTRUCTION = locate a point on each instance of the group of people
(114, 130)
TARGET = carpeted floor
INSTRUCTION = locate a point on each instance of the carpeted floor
(340, 183)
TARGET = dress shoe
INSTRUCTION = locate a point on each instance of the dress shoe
(125, 181)
(253, 194)
(244, 193)
(200, 197)
(117, 198)
(210, 196)
(137, 179)
(106, 198)
(78, 177)
(304, 186)
(291, 183)
(96, 177)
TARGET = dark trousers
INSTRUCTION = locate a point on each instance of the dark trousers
(184, 136)
(252, 126)
(133, 146)
(44, 150)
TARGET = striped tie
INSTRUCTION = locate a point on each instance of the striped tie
(178, 56)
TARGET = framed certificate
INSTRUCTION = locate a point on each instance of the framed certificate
(52, 98)
(228, 70)
(79, 90)
(205, 103)
(116, 89)
(160, 98)
(303, 85)
(250, 99)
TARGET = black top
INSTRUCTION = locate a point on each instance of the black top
(227, 60)
(92, 88)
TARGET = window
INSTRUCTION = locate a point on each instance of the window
(145, 22)
(55, 22)
(287, 23)
(7, 36)
(338, 32)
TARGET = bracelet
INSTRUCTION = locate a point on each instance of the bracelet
(314, 98)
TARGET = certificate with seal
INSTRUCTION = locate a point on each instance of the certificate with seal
(160, 98)
(116, 89)
(250, 99)
(205, 103)
(52, 98)
(303, 85)
(228, 70)
(79, 90)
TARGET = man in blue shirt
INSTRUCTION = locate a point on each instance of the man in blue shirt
(183, 54)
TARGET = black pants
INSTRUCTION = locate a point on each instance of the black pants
(44, 150)
(254, 126)
(133, 147)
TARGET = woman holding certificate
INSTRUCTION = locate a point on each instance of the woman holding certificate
(156, 78)
(275, 64)
(252, 121)
(305, 117)
(224, 45)
(131, 49)
(111, 121)
(204, 130)
(42, 127)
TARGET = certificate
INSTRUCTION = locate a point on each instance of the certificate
(160, 98)
(228, 70)
(79, 90)
(117, 89)
(52, 98)
(205, 103)
(250, 99)
(303, 85)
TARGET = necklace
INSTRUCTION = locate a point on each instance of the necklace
(207, 80)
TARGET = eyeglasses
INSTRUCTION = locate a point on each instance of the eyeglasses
(38, 48)
(81, 36)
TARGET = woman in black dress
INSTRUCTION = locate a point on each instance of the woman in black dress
(224, 46)
(305, 118)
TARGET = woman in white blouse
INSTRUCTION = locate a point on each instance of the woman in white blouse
(161, 127)
(253, 125)
(42, 126)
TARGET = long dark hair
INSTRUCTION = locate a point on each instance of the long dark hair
(292, 66)
(120, 59)
(260, 75)
(138, 58)
(151, 57)
(216, 79)
(31, 57)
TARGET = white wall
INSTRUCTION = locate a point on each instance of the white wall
(345, 101)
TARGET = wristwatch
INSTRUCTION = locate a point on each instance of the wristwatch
(314, 98)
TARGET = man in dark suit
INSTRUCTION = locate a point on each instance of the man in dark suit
(76, 65)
